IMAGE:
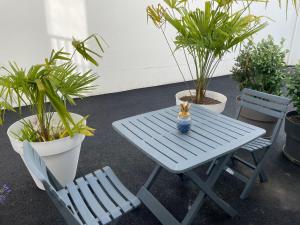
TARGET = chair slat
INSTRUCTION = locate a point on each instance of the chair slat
(264, 103)
(92, 202)
(272, 105)
(35, 163)
(63, 194)
(262, 109)
(272, 98)
(122, 189)
(125, 205)
(102, 196)
(257, 144)
(80, 205)
(43, 166)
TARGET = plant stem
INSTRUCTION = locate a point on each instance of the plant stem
(177, 63)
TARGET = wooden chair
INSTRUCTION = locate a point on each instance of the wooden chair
(272, 105)
(97, 198)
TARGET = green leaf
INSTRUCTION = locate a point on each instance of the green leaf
(55, 81)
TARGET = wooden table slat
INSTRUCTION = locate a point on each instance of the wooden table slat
(164, 140)
(198, 133)
(220, 125)
(144, 134)
(156, 125)
(147, 149)
(187, 138)
(224, 118)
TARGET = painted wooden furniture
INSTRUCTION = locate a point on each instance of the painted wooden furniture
(97, 198)
(212, 136)
(272, 105)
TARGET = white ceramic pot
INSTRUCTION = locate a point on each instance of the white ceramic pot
(61, 156)
(210, 94)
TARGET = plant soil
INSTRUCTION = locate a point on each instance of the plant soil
(295, 118)
(206, 101)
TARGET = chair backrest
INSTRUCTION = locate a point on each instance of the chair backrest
(271, 105)
(39, 169)
(35, 164)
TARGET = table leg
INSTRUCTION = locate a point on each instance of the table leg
(164, 216)
(161, 213)
(152, 176)
(256, 172)
(212, 195)
(214, 175)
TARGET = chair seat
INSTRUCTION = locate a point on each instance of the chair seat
(257, 144)
(98, 198)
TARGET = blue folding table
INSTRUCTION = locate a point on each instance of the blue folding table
(212, 136)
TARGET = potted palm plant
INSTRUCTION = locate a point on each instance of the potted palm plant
(46, 88)
(292, 119)
(205, 36)
(260, 67)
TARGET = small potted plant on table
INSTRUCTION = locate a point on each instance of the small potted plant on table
(184, 118)
(292, 119)
(204, 36)
(47, 88)
(260, 67)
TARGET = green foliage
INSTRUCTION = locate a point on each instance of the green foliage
(57, 81)
(260, 66)
(294, 87)
(287, 3)
(205, 34)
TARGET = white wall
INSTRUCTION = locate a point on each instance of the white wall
(137, 55)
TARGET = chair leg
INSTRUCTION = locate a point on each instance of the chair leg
(252, 180)
(212, 165)
(262, 176)
(232, 162)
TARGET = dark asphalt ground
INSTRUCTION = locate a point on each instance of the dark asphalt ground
(276, 202)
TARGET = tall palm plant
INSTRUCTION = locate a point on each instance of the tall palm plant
(205, 34)
(56, 81)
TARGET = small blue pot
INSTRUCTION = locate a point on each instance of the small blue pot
(184, 124)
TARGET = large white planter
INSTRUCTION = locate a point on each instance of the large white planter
(61, 156)
(210, 94)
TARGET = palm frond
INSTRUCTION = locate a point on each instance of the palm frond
(208, 33)
(57, 81)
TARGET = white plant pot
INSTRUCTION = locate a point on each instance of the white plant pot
(210, 94)
(61, 156)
